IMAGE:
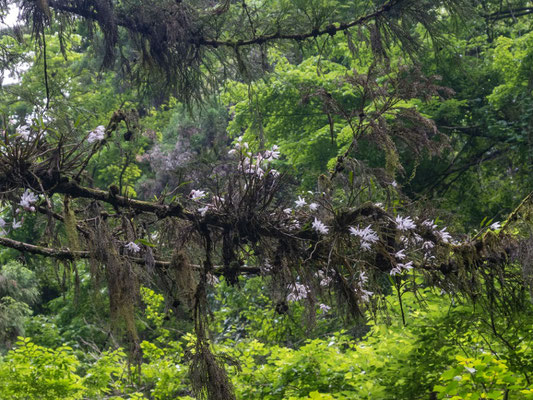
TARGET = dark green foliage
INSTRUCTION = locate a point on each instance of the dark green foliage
(175, 148)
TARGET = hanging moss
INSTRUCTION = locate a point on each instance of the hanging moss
(209, 379)
(70, 225)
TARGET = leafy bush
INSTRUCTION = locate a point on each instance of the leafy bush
(35, 372)
(484, 377)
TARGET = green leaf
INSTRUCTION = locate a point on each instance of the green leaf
(145, 242)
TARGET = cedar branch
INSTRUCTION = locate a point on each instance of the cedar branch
(125, 22)
(328, 30)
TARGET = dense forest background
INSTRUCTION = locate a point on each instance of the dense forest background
(266, 199)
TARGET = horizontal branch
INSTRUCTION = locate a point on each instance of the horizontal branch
(328, 30)
(61, 254)
(70, 255)
(125, 22)
(73, 189)
(510, 13)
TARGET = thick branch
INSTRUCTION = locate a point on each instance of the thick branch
(212, 219)
(161, 210)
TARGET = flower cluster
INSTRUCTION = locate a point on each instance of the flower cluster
(27, 200)
(4, 225)
(320, 227)
(324, 279)
(133, 247)
(495, 226)
(299, 205)
(272, 154)
(203, 210)
(197, 194)
(367, 236)
(359, 287)
(300, 202)
(444, 236)
(24, 132)
(441, 234)
(324, 308)
(97, 134)
(297, 292)
(413, 243)
(405, 224)
(401, 267)
(254, 168)
(258, 165)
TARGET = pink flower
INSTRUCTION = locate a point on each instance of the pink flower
(300, 202)
(324, 308)
(405, 224)
(97, 134)
(196, 194)
(27, 200)
(320, 227)
(133, 247)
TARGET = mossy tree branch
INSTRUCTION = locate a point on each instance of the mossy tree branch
(71, 255)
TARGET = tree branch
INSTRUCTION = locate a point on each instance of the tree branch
(126, 22)
(67, 254)
(328, 30)
(511, 13)
(161, 210)
(61, 254)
